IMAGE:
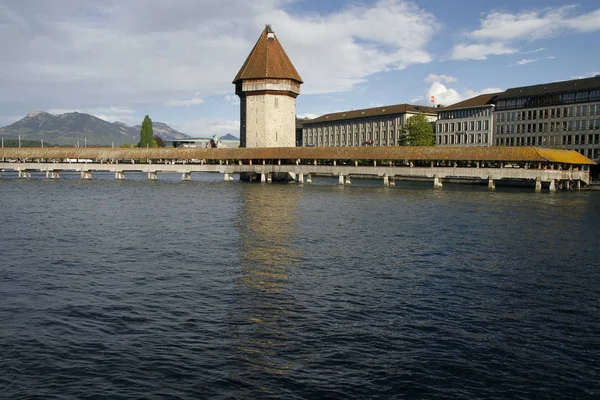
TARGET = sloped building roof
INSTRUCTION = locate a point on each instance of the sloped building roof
(481, 100)
(570, 86)
(373, 112)
(267, 60)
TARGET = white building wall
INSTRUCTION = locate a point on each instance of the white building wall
(471, 126)
(376, 131)
(270, 121)
(573, 127)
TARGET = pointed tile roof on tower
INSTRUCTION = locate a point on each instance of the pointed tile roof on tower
(268, 60)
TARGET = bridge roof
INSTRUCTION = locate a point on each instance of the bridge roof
(511, 154)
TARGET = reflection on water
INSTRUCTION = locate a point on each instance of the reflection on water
(268, 251)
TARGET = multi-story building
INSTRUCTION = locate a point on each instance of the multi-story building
(467, 123)
(565, 115)
(380, 126)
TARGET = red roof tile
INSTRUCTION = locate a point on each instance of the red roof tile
(268, 60)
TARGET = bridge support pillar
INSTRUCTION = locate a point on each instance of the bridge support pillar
(437, 182)
(269, 178)
(119, 175)
(226, 177)
(578, 185)
(552, 186)
(186, 176)
(308, 178)
(263, 178)
(152, 176)
(491, 184)
(538, 184)
(340, 179)
(348, 181)
(386, 181)
(86, 175)
(300, 177)
(392, 182)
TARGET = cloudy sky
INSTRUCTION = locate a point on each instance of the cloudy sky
(175, 59)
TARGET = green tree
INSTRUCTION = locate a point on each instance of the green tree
(146, 134)
(418, 132)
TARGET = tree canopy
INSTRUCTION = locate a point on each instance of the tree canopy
(146, 134)
(418, 132)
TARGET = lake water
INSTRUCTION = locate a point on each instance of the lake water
(204, 289)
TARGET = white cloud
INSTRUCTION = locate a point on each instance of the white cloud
(500, 29)
(473, 93)
(440, 78)
(585, 23)
(526, 61)
(446, 95)
(310, 115)
(232, 99)
(505, 26)
(480, 51)
(186, 103)
(586, 75)
(148, 52)
(534, 51)
(442, 94)
(207, 127)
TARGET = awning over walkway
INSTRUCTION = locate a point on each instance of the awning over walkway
(502, 154)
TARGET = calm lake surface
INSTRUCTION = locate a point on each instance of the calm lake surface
(206, 289)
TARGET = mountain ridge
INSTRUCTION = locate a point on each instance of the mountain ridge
(69, 128)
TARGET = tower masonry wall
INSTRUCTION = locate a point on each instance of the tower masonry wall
(270, 121)
(269, 84)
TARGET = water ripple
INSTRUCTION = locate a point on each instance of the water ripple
(165, 290)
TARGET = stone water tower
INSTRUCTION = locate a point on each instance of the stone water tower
(267, 85)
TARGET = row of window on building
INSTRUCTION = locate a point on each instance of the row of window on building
(464, 138)
(577, 125)
(558, 140)
(448, 127)
(386, 138)
(548, 113)
(549, 100)
(466, 113)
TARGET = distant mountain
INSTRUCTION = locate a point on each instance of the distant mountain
(164, 131)
(69, 128)
(229, 136)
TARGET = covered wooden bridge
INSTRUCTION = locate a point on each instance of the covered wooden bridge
(553, 167)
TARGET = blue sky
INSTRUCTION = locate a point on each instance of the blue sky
(175, 60)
